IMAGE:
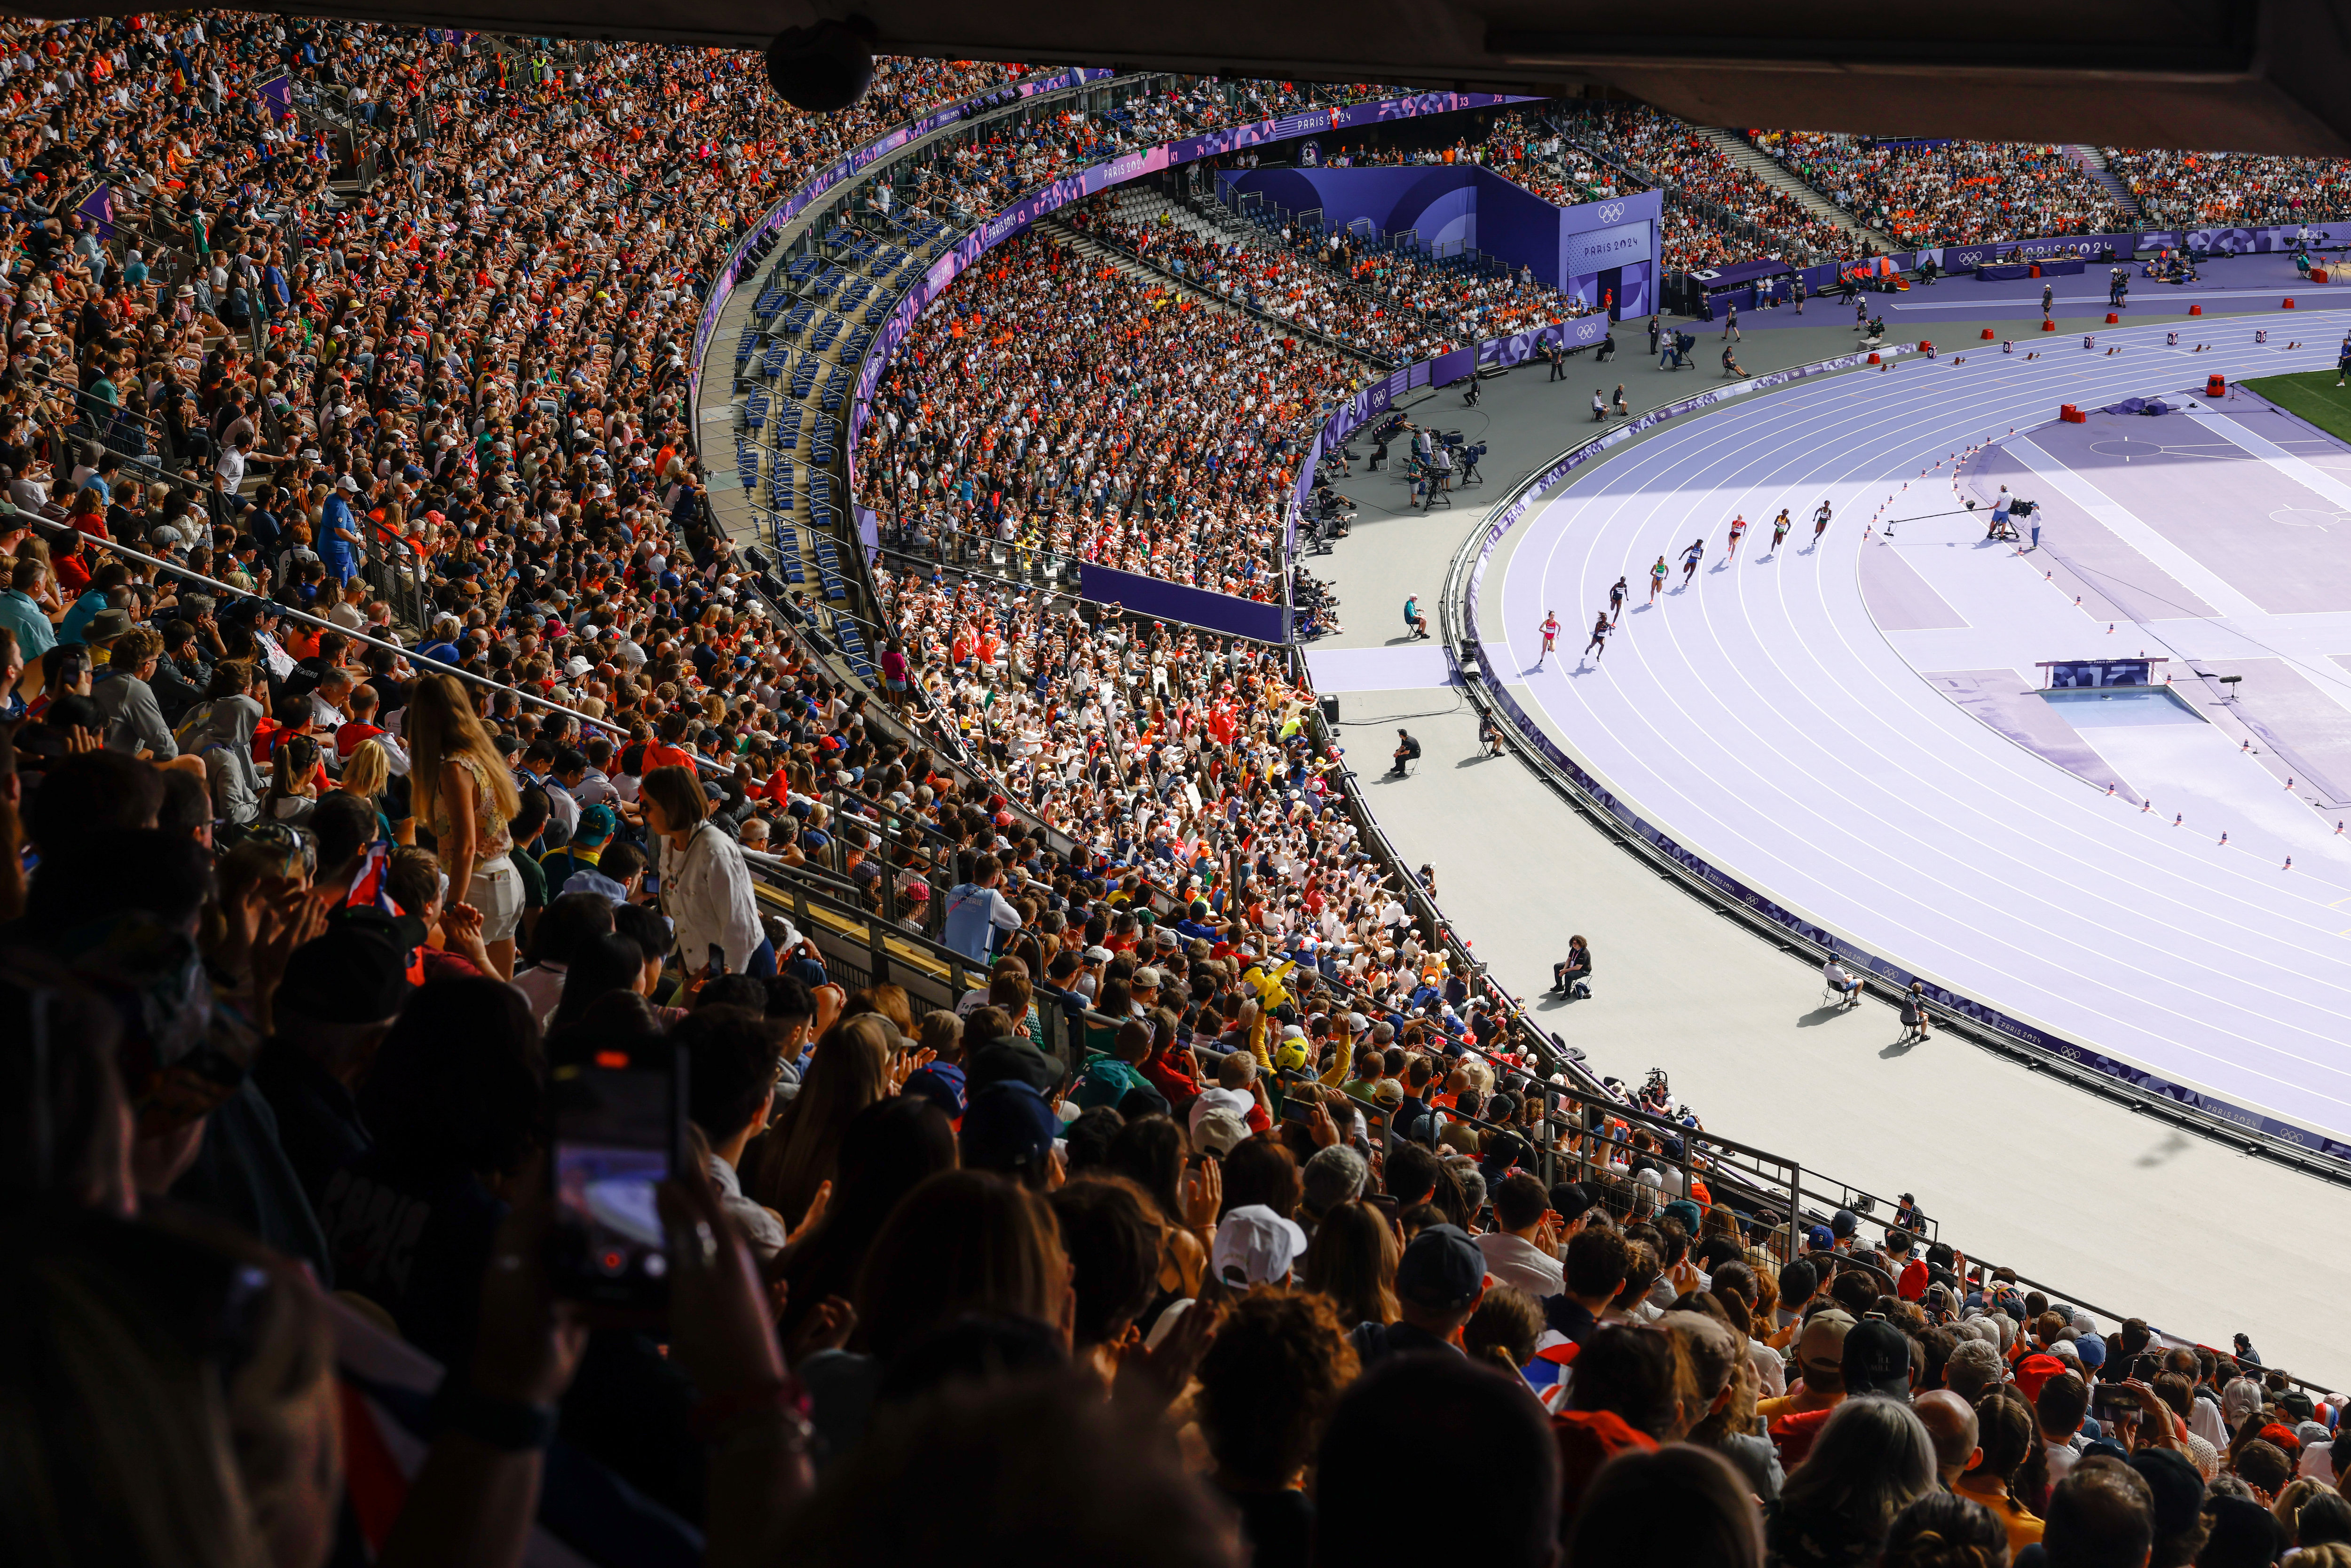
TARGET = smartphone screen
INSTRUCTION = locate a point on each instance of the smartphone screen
(620, 1131)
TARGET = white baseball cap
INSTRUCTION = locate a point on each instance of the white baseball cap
(1255, 1246)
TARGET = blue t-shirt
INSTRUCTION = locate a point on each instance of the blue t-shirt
(78, 618)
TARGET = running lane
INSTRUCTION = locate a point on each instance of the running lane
(1761, 718)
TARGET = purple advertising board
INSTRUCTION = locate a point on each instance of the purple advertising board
(2246, 242)
(2087, 247)
(97, 210)
(1737, 273)
(832, 174)
(1202, 607)
(2212, 241)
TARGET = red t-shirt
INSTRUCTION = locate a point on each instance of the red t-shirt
(348, 737)
(661, 755)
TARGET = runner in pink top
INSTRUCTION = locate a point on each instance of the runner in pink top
(1550, 635)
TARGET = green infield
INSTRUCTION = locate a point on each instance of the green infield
(2313, 395)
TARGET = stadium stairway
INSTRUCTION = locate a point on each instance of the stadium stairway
(1781, 178)
(2093, 161)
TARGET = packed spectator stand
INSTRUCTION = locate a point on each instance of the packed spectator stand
(1953, 192)
(1700, 179)
(1271, 280)
(2232, 190)
(1207, 1179)
(1073, 409)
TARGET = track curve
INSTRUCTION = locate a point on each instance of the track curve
(1763, 720)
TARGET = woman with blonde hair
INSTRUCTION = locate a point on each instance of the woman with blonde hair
(366, 773)
(463, 794)
(797, 1154)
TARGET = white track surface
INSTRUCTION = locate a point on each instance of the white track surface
(1762, 719)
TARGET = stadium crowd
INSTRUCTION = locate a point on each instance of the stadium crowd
(1074, 409)
(309, 948)
(1390, 304)
(978, 177)
(2232, 190)
(1681, 160)
(1951, 192)
(1268, 277)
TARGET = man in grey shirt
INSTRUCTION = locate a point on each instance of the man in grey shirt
(133, 721)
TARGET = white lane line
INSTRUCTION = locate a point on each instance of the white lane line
(2307, 474)
(1694, 448)
(2127, 525)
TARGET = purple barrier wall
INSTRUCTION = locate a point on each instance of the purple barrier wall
(2245, 242)
(1759, 902)
(1449, 367)
(825, 179)
(97, 210)
(1438, 200)
(1155, 596)
(1961, 258)
(2217, 241)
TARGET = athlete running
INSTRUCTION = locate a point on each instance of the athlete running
(1690, 558)
(1616, 601)
(1599, 636)
(1738, 532)
(1550, 636)
(1658, 578)
(1779, 526)
(1820, 523)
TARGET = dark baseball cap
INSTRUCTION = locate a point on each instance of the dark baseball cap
(2178, 1489)
(1877, 1360)
(1007, 1126)
(1441, 1270)
(354, 972)
(1570, 1199)
(1843, 1224)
